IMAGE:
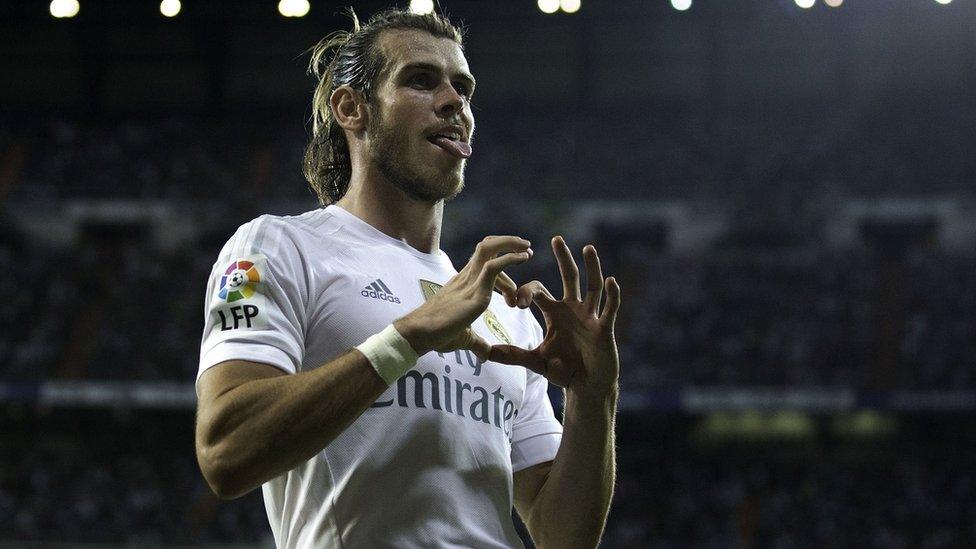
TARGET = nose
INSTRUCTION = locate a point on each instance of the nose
(450, 101)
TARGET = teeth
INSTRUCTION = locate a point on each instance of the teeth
(454, 136)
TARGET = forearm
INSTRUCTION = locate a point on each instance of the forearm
(252, 427)
(264, 427)
(583, 473)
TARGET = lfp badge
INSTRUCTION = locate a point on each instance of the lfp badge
(239, 281)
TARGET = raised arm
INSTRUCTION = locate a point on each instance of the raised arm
(254, 422)
(565, 503)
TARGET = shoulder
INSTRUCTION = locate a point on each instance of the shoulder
(274, 235)
(276, 247)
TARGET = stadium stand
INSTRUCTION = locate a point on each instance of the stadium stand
(766, 305)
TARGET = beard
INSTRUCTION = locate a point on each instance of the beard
(389, 150)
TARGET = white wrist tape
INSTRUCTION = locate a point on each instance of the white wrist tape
(390, 354)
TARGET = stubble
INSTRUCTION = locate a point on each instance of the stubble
(390, 152)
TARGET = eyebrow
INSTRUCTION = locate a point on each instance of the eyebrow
(467, 78)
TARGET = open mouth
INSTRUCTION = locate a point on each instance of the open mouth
(452, 143)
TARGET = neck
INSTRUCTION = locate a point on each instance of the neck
(376, 201)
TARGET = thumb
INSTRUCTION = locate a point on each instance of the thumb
(517, 356)
(469, 339)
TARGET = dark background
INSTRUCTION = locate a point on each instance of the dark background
(785, 194)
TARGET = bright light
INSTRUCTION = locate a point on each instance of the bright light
(834, 3)
(943, 2)
(569, 6)
(421, 6)
(681, 5)
(64, 8)
(293, 8)
(169, 8)
(805, 3)
(549, 6)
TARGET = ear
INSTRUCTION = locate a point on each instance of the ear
(348, 108)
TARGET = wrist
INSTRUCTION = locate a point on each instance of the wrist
(389, 354)
(592, 397)
(415, 335)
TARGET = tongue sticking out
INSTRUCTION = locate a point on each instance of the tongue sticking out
(459, 149)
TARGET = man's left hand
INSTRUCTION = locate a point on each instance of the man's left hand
(579, 351)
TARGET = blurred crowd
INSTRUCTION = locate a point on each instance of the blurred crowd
(115, 481)
(745, 152)
(804, 317)
(738, 501)
(108, 479)
(175, 159)
(769, 311)
(110, 309)
(114, 306)
(117, 308)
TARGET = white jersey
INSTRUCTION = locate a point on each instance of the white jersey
(430, 463)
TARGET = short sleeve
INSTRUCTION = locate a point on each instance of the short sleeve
(254, 306)
(536, 433)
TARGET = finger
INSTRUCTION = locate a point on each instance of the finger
(507, 287)
(567, 269)
(495, 266)
(473, 342)
(534, 291)
(491, 246)
(609, 315)
(517, 356)
(594, 280)
(553, 368)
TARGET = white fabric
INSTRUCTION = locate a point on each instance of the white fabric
(430, 463)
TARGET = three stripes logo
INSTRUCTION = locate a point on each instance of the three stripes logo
(378, 290)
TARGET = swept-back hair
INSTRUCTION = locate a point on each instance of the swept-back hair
(353, 58)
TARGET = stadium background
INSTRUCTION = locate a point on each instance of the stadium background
(784, 192)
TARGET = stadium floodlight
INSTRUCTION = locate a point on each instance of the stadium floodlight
(569, 6)
(681, 5)
(170, 8)
(805, 3)
(549, 6)
(293, 8)
(943, 2)
(421, 6)
(64, 8)
(834, 3)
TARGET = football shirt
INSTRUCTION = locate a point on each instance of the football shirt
(430, 463)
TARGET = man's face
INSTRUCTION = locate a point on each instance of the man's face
(422, 97)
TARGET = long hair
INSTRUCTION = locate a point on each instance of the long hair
(353, 58)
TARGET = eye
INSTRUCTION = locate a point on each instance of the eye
(463, 89)
(421, 80)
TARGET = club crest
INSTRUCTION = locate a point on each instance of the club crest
(494, 325)
(429, 289)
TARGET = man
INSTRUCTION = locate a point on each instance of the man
(354, 374)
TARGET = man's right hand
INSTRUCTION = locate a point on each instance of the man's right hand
(443, 323)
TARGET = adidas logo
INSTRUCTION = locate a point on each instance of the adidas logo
(378, 290)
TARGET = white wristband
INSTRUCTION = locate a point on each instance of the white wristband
(390, 354)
